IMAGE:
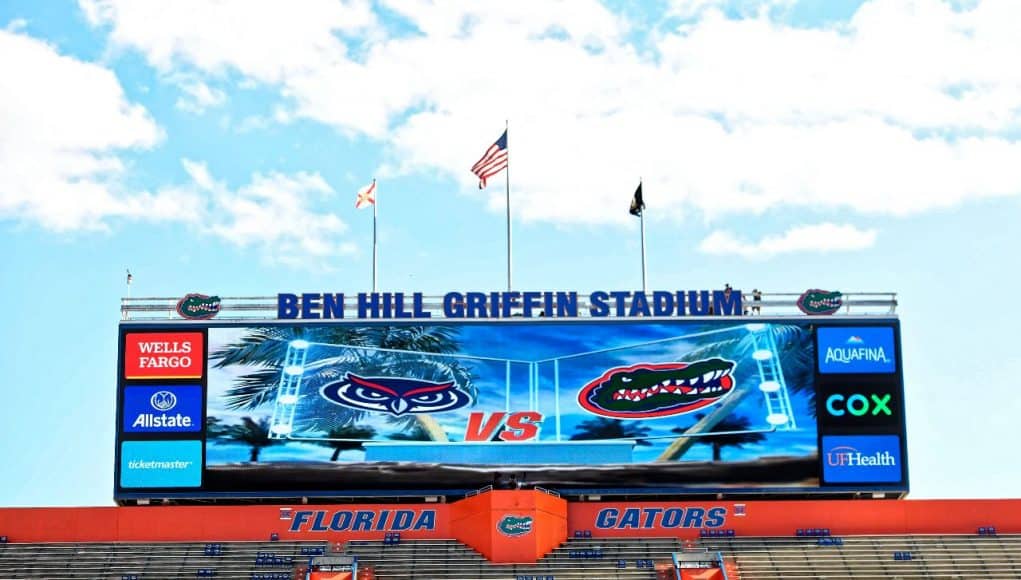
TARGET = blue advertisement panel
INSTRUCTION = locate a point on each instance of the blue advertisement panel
(160, 464)
(162, 409)
(856, 349)
(585, 406)
(861, 459)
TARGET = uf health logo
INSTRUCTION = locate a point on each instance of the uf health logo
(161, 464)
(861, 459)
(856, 349)
(163, 409)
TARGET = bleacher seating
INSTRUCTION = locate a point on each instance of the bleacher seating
(163, 561)
(580, 558)
(903, 557)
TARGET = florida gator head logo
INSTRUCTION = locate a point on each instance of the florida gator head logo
(395, 396)
(817, 301)
(514, 525)
(198, 306)
(650, 390)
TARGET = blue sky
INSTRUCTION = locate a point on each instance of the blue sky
(217, 148)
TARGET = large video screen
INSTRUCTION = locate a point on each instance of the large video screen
(750, 405)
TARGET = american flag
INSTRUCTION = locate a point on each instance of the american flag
(366, 195)
(493, 161)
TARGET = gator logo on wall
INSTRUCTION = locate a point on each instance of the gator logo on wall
(198, 306)
(817, 301)
(650, 390)
(395, 396)
(514, 525)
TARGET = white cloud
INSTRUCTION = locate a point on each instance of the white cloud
(198, 96)
(273, 213)
(909, 106)
(64, 122)
(825, 237)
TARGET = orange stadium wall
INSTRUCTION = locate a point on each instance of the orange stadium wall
(783, 518)
(475, 521)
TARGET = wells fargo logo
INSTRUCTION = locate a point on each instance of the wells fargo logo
(198, 306)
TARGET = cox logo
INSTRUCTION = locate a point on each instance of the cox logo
(163, 400)
(859, 405)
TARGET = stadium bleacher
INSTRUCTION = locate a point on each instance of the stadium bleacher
(165, 561)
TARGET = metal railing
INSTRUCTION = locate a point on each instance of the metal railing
(244, 308)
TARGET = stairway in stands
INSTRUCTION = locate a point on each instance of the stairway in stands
(573, 560)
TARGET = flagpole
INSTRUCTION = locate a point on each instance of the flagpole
(375, 209)
(641, 217)
(507, 176)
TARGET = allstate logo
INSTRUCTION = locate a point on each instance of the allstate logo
(514, 525)
(163, 400)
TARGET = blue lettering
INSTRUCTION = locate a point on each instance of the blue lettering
(287, 306)
(340, 521)
(453, 305)
(639, 305)
(381, 522)
(368, 303)
(529, 300)
(317, 523)
(333, 306)
(606, 518)
(650, 517)
(476, 305)
(510, 301)
(597, 304)
(426, 520)
(727, 305)
(309, 302)
(672, 517)
(402, 519)
(662, 303)
(632, 518)
(299, 517)
(619, 297)
(399, 311)
(418, 307)
(680, 304)
(717, 516)
(567, 304)
(693, 517)
(363, 521)
(698, 303)
(387, 304)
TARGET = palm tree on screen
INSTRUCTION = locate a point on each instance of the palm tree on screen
(600, 428)
(796, 350)
(346, 438)
(735, 431)
(382, 351)
(253, 433)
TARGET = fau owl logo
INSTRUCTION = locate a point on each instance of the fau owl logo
(395, 396)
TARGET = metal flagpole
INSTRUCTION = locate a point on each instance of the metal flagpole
(375, 208)
(507, 175)
(641, 216)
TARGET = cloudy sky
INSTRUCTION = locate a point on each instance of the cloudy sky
(217, 147)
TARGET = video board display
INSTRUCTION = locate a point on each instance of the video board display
(290, 409)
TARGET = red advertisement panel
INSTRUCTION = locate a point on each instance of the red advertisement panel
(163, 355)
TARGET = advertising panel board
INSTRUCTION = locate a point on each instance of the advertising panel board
(295, 408)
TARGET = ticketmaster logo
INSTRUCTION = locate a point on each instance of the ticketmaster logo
(161, 464)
